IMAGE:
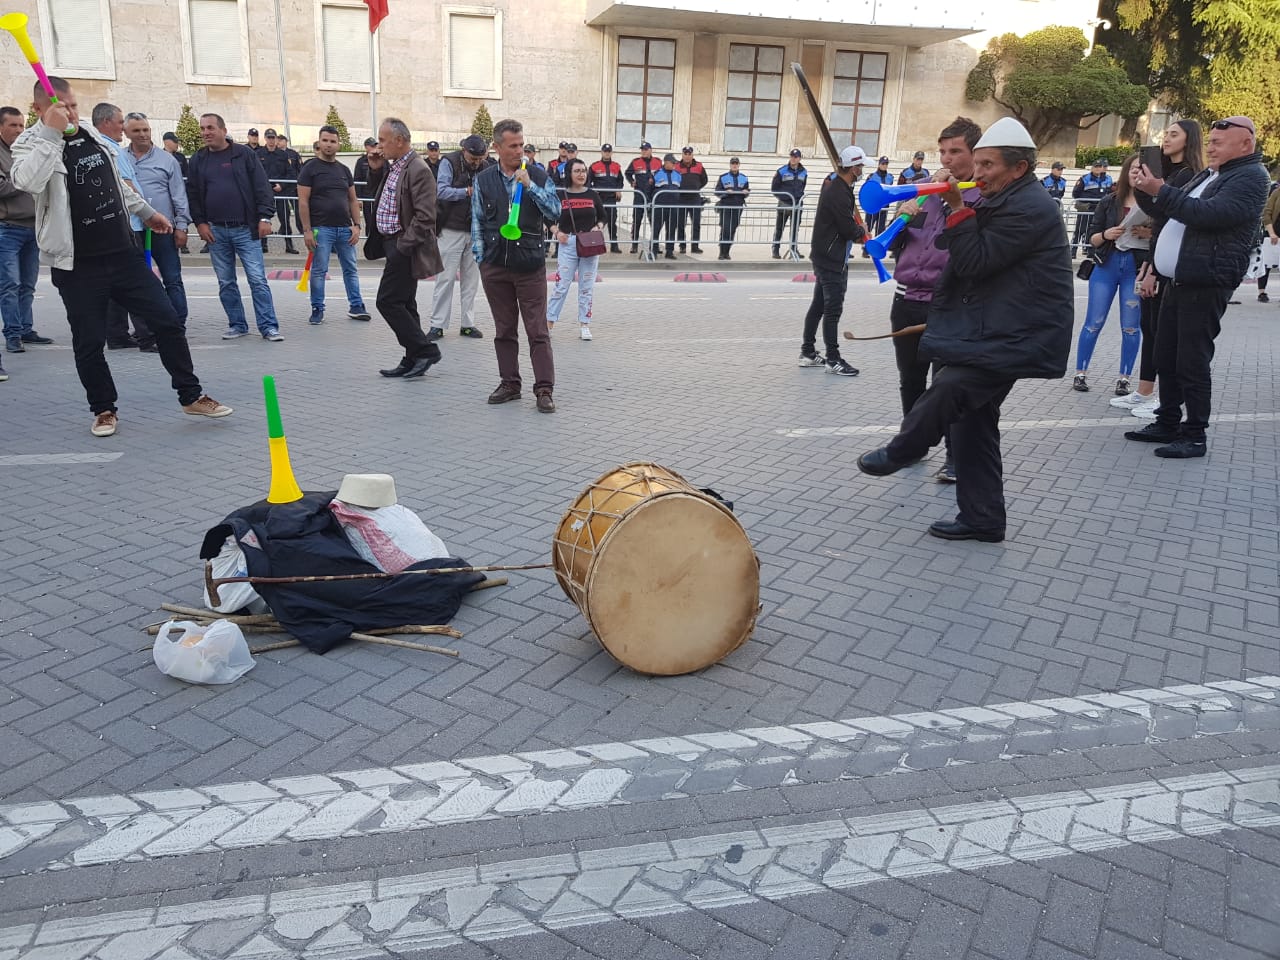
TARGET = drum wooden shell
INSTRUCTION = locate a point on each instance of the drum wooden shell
(664, 574)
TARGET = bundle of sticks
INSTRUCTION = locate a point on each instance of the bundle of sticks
(265, 623)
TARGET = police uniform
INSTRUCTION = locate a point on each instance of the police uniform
(605, 178)
(877, 222)
(433, 164)
(732, 189)
(666, 202)
(639, 174)
(693, 177)
(788, 186)
(1088, 190)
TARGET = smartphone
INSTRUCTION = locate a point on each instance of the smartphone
(1153, 159)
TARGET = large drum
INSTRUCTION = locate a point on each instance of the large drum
(663, 573)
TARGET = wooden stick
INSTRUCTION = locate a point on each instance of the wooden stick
(197, 614)
(267, 647)
(417, 628)
(904, 332)
(491, 582)
(391, 642)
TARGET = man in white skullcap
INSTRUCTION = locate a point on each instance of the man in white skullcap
(1002, 311)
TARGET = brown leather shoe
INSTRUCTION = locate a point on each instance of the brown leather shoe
(505, 393)
(545, 403)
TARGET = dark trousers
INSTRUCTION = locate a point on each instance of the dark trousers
(1190, 320)
(641, 204)
(730, 218)
(398, 304)
(118, 325)
(694, 214)
(966, 402)
(87, 292)
(665, 219)
(827, 305)
(512, 297)
(285, 213)
(611, 220)
(913, 370)
(1149, 323)
(786, 214)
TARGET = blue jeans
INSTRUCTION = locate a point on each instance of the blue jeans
(165, 256)
(336, 240)
(569, 264)
(1117, 274)
(228, 242)
(19, 268)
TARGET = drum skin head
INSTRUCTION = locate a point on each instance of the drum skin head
(675, 587)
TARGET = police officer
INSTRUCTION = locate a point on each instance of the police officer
(279, 167)
(916, 172)
(788, 186)
(667, 198)
(876, 223)
(433, 157)
(1089, 189)
(605, 178)
(559, 175)
(531, 157)
(732, 189)
(1055, 183)
(639, 174)
(553, 168)
(693, 177)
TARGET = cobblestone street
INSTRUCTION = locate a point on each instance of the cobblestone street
(1063, 746)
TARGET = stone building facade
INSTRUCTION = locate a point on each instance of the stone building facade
(888, 74)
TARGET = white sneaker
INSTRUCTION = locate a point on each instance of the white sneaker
(586, 332)
(1132, 400)
(1147, 412)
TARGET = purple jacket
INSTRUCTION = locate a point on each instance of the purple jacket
(919, 263)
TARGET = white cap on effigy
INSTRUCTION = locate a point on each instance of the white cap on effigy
(370, 490)
(1005, 132)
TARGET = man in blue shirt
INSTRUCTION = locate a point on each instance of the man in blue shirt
(732, 189)
(666, 204)
(1089, 189)
(1055, 183)
(158, 177)
(788, 186)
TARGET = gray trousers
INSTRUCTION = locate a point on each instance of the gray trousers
(455, 252)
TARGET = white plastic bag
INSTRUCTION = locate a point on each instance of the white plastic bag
(391, 538)
(230, 562)
(217, 653)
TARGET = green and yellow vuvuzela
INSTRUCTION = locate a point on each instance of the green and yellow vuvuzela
(284, 488)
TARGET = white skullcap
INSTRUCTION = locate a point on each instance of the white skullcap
(1006, 132)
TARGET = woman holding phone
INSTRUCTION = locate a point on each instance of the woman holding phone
(580, 211)
(1182, 157)
(1121, 242)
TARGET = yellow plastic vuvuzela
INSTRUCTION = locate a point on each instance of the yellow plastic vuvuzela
(284, 487)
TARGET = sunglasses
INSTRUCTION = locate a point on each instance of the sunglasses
(1227, 125)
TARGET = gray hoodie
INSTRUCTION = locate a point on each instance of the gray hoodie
(17, 207)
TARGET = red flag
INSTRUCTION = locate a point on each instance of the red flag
(377, 11)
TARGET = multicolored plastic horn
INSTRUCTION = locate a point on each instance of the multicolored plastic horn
(511, 229)
(284, 487)
(147, 247)
(878, 246)
(304, 282)
(875, 196)
(16, 24)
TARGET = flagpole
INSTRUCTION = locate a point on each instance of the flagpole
(284, 92)
(373, 90)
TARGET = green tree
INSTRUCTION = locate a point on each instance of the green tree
(1046, 81)
(482, 125)
(333, 120)
(188, 131)
(32, 117)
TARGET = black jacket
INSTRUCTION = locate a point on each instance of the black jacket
(1106, 215)
(255, 192)
(1006, 300)
(1222, 223)
(834, 226)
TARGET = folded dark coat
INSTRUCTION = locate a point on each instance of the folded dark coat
(305, 539)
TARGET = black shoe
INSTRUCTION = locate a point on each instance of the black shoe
(420, 367)
(669, 256)
(1154, 433)
(878, 463)
(435, 333)
(946, 473)
(1080, 383)
(777, 255)
(955, 530)
(205, 249)
(1262, 297)
(682, 248)
(14, 345)
(471, 332)
(723, 256)
(290, 248)
(1184, 448)
(129, 344)
(148, 348)
(33, 337)
(398, 371)
(634, 248)
(695, 249)
(616, 249)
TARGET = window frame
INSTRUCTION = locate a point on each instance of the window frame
(751, 126)
(188, 52)
(644, 94)
(48, 50)
(446, 78)
(321, 82)
(857, 104)
(894, 84)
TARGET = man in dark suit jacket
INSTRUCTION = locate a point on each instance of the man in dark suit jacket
(404, 227)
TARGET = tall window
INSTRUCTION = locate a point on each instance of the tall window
(857, 98)
(646, 86)
(344, 38)
(473, 52)
(755, 94)
(217, 40)
(74, 33)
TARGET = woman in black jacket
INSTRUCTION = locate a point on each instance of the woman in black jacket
(1183, 155)
(1121, 240)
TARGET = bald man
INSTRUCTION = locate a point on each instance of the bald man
(1205, 248)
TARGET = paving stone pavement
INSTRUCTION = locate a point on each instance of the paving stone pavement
(1122, 572)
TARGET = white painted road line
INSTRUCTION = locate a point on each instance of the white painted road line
(496, 901)
(34, 459)
(1007, 425)
(721, 340)
(152, 824)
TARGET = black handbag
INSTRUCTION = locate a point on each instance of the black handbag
(374, 248)
(1085, 270)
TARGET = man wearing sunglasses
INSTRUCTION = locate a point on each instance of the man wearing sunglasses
(1205, 248)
